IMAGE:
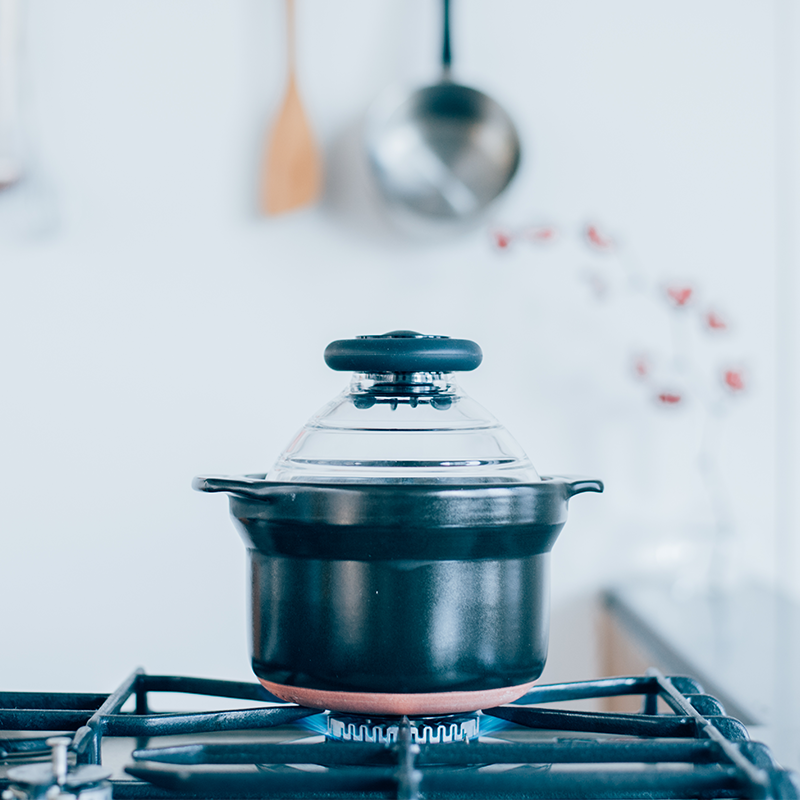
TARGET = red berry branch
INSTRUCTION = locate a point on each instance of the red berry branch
(672, 377)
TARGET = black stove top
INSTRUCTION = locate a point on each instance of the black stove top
(681, 744)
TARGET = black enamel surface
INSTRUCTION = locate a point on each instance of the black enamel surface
(399, 626)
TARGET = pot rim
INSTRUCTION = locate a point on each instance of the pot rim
(257, 487)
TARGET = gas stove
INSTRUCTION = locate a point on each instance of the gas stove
(95, 746)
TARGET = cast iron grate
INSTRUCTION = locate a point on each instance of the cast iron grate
(685, 747)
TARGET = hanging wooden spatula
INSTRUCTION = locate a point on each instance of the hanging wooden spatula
(292, 171)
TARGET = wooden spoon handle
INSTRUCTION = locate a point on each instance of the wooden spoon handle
(291, 57)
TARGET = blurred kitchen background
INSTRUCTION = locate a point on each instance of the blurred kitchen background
(634, 293)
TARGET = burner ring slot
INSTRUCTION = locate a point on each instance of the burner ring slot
(384, 730)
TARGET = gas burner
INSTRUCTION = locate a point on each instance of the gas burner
(384, 730)
(681, 744)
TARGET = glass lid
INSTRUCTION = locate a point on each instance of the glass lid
(403, 418)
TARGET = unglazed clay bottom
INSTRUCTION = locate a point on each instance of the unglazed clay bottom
(397, 704)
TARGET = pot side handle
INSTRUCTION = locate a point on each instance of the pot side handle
(577, 484)
(245, 487)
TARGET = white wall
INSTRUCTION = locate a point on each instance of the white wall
(155, 328)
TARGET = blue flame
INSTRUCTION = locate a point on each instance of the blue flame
(492, 724)
(318, 723)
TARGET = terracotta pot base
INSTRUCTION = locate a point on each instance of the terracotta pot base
(397, 704)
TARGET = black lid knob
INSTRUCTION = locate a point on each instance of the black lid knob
(403, 351)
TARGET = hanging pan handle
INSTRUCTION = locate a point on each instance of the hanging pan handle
(447, 55)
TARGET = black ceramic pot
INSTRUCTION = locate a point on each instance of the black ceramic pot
(399, 599)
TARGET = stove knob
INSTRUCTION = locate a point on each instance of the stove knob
(59, 746)
(55, 781)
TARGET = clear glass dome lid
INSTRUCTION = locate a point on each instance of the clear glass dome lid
(403, 419)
